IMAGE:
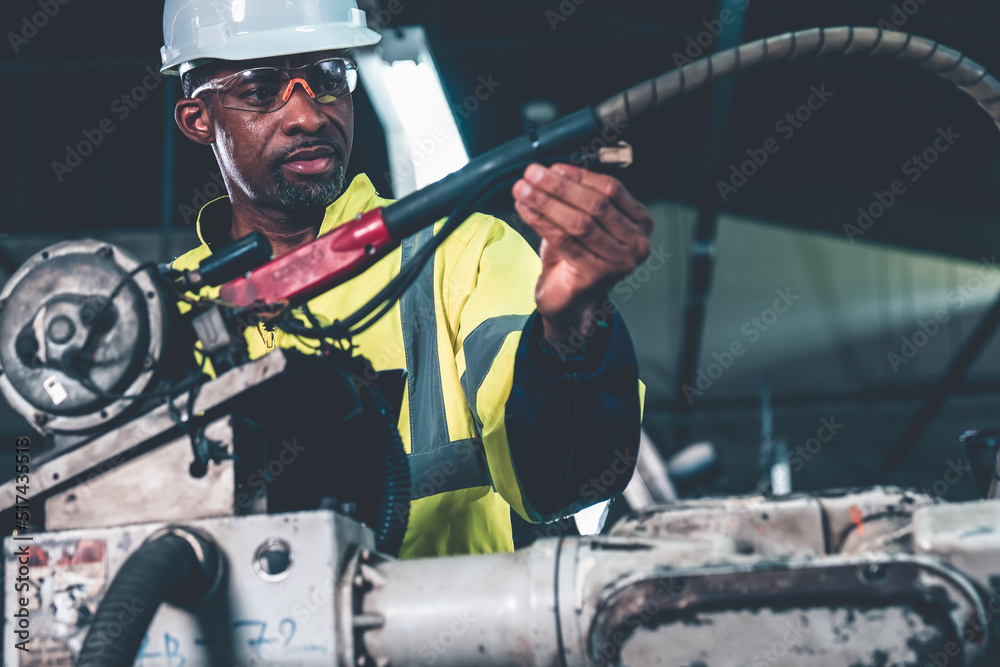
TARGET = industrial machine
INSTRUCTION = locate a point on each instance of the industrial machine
(186, 509)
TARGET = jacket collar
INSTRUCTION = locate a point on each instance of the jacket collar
(216, 217)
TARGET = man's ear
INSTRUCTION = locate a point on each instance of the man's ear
(191, 116)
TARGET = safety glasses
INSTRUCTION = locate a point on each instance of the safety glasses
(267, 89)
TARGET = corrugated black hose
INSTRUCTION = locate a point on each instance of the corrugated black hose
(177, 566)
(394, 511)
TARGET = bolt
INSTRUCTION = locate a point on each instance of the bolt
(147, 363)
(61, 329)
(106, 251)
(974, 630)
(874, 573)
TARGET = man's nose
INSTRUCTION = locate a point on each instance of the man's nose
(301, 111)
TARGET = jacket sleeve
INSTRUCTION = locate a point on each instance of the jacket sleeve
(573, 416)
(550, 422)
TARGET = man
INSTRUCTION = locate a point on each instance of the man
(504, 406)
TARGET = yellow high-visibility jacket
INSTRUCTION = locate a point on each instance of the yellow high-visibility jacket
(456, 332)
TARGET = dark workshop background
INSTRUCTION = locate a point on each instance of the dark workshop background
(852, 301)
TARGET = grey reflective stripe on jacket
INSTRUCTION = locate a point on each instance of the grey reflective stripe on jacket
(481, 349)
(437, 464)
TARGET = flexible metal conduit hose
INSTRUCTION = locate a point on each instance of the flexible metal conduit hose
(176, 565)
(970, 77)
(421, 208)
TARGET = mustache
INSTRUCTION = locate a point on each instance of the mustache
(338, 151)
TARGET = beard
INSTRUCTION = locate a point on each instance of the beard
(316, 193)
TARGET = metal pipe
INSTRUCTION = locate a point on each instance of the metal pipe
(953, 378)
(713, 155)
(479, 610)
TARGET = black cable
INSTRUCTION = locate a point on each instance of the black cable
(967, 75)
(167, 392)
(420, 260)
(356, 323)
(461, 212)
(124, 280)
(619, 110)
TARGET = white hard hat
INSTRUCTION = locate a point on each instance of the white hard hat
(198, 31)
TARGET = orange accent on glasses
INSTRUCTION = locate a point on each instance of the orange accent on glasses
(291, 85)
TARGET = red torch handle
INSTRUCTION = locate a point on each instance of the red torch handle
(316, 267)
